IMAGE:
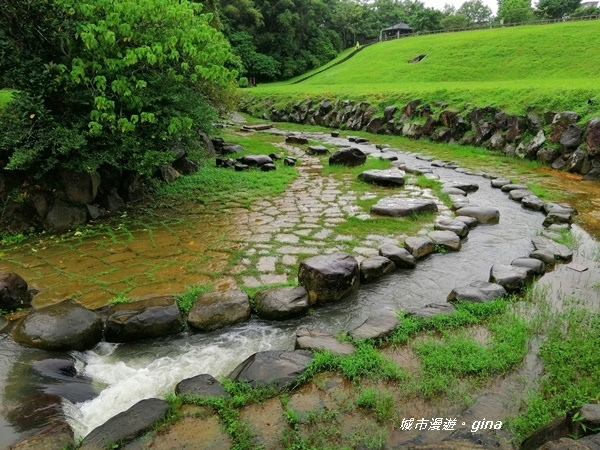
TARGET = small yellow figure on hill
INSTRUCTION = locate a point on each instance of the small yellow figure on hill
(357, 46)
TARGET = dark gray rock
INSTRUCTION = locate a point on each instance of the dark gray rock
(561, 208)
(112, 201)
(230, 149)
(401, 258)
(587, 419)
(317, 150)
(560, 123)
(64, 326)
(225, 162)
(329, 278)
(349, 157)
(14, 292)
(289, 161)
(126, 426)
(298, 140)
(375, 267)
(533, 265)
(544, 255)
(419, 246)
(477, 291)
(571, 137)
(241, 167)
(592, 136)
(511, 278)
(403, 207)
(433, 309)
(145, 319)
(80, 187)
(592, 175)
(547, 155)
(459, 202)
(466, 187)
(311, 339)
(458, 227)
(168, 173)
(448, 240)
(203, 386)
(376, 327)
(276, 368)
(281, 303)
(268, 167)
(470, 222)
(512, 186)
(556, 429)
(483, 214)
(255, 160)
(4, 323)
(215, 310)
(62, 216)
(533, 202)
(519, 194)
(556, 218)
(453, 191)
(561, 252)
(390, 177)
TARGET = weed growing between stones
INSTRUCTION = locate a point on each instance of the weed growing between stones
(189, 297)
(119, 299)
(568, 238)
(379, 402)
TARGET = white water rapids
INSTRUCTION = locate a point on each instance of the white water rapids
(154, 371)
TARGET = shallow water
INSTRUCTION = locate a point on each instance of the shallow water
(124, 374)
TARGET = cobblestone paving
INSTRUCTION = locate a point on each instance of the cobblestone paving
(225, 248)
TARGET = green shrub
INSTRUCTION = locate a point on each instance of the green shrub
(243, 83)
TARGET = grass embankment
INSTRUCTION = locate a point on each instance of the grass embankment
(517, 69)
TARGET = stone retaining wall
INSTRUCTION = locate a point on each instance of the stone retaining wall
(554, 138)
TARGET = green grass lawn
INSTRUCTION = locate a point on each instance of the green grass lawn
(5, 96)
(518, 69)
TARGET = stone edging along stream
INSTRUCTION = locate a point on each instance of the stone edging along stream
(323, 279)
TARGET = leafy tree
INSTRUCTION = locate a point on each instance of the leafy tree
(455, 21)
(108, 83)
(254, 64)
(583, 11)
(515, 11)
(475, 11)
(555, 9)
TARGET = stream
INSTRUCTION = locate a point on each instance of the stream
(110, 378)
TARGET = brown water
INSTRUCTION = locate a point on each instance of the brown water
(166, 253)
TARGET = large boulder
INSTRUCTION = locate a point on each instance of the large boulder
(533, 265)
(64, 326)
(477, 291)
(203, 386)
(560, 123)
(401, 257)
(213, 310)
(13, 292)
(592, 136)
(145, 319)
(483, 214)
(349, 157)
(533, 202)
(80, 187)
(560, 251)
(389, 177)
(511, 278)
(126, 426)
(375, 267)
(571, 137)
(403, 207)
(276, 368)
(419, 246)
(376, 327)
(58, 436)
(329, 278)
(282, 303)
(62, 216)
(311, 339)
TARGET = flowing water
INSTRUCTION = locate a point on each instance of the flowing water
(117, 376)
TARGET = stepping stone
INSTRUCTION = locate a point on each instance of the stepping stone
(446, 239)
(329, 278)
(375, 267)
(483, 214)
(559, 208)
(477, 291)
(453, 191)
(145, 319)
(512, 187)
(349, 157)
(466, 187)
(499, 182)
(268, 167)
(389, 157)
(403, 207)
(203, 386)
(433, 309)
(281, 303)
(298, 140)
(126, 426)
(376, 327)
(276, 368)
(555, 217)
(289, 161)
(274, 156)
(415, 170)
(470, 222)
(519, 194)
(438, 163)
(533, 265)
(424, 158)
(560, 251)
(401, 258)
(255, 160)
(544, 255)
(419, 246)
(213, 310)
(335, 134)
(241, 167)
(361, 140)
(311, 339)
(458, 227)
(317, 150)
(511, 278)
(228, 149)
(533, 202)
(390, 177)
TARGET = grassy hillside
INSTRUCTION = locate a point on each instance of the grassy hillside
(518, 69)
